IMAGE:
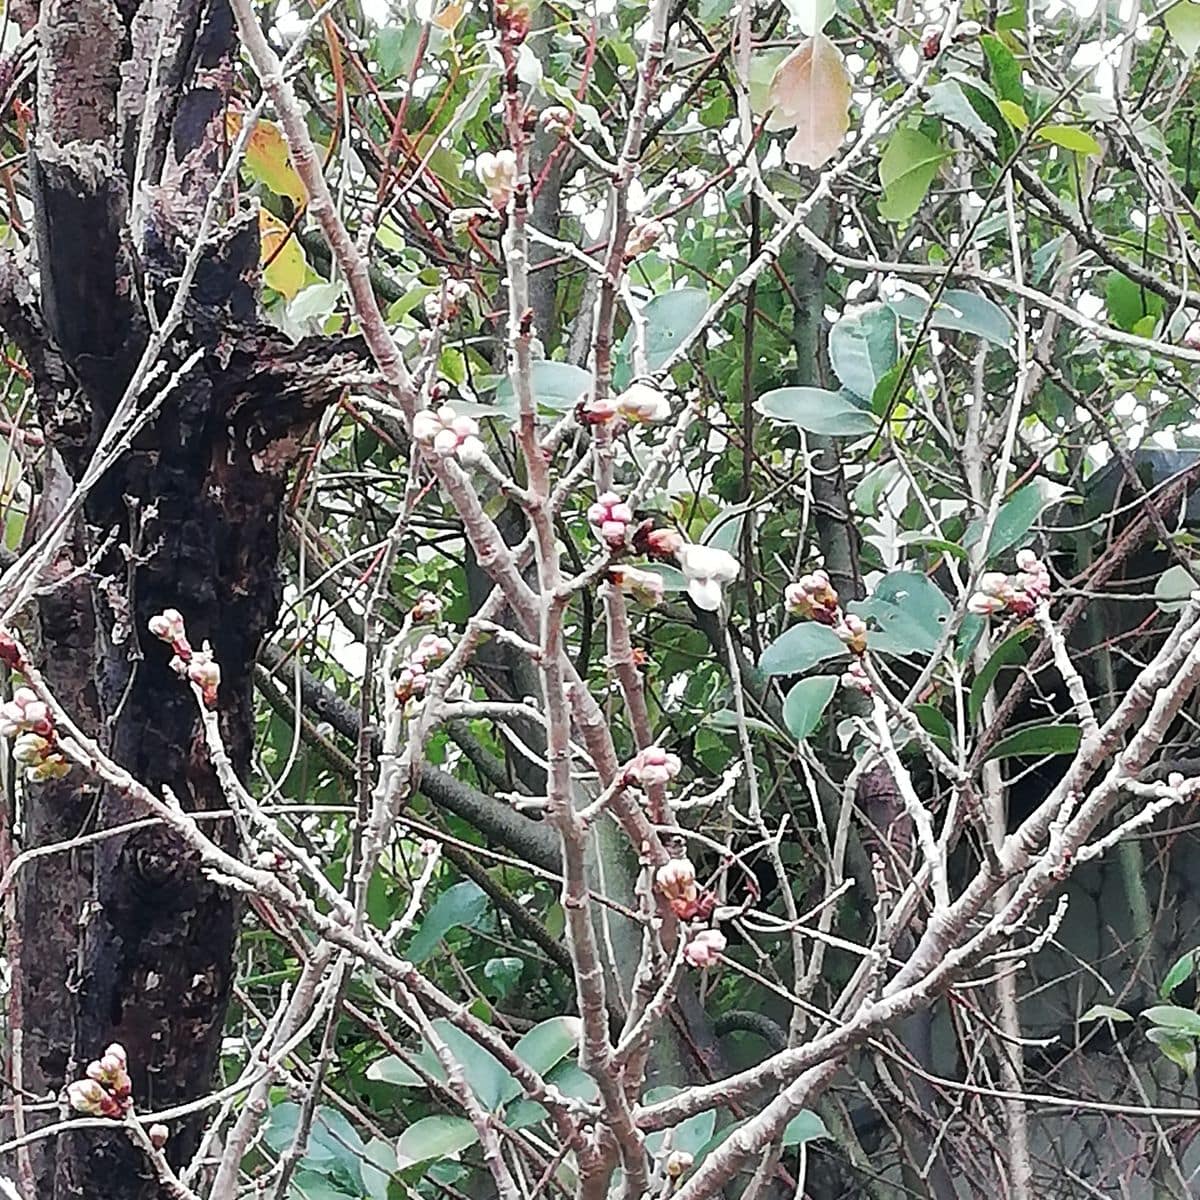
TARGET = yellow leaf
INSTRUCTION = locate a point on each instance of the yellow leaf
(267, 157)
(449, 16)
(1014, 114)
(285, 266)
(811, 94)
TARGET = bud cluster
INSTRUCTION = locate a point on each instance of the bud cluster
(197, 666)
(611, 517)
(814, 598)
(1019, 594)
(639, 404)
(449, 435)
(498, 174)
(412, 679)
(106, 1089)
(26, 719)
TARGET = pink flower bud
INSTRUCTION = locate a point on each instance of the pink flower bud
(86, 1096)
(653, 765)
(498, 174)
(158, 1135)
(706, 948)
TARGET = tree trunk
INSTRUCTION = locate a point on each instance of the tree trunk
(126, 940)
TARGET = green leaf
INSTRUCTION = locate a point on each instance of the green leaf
(968, 312)
(434, 1137)
(935, 723)
(333, 1147)
(1070, 138)
(907, 612)
(486, 1076)
(1014, 520)
(689, 1136)
(1004, 73)
(463, 904)
(872, 485)
(906, 169)
(548, 1043)
(379, 1164)
(1036, 741)
(1178, 1020)
(1127, 302)
(504, 972)
(805, 704)
(1182, 970)
(863, 348)
(396, 48)
(394, 1070)
(947, 99)
(811, 15)
(1175, 587)
(1009, 653)
(834, 414)
(1100, 1012)
(799, 648)
(556, 385)
(311, 1185)
(1179, 1049)
(669, 319)
(1183, 24)
(805, 1126)
(1014, 114)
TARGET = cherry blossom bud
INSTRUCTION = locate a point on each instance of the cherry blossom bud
(677, 882)
(646, 586)
(205, 673)
(855, 678)
(87, 1096)
(471, 452)
(983, 605)
(931, 41)
(993, 583)
(168, 625)
(813, 597)
(967, 31)
(427, 608)
(663, 544)
(643, 404)
(1191, 336)
(1175, 780)
(853, 631)
(707, 569)
(679, 1162)
(557, 119)
(598, 412)
(498, 174)
(706, 948)
(158, 1134)
(431, 648)
(30, 748)
(644, 236)
(653, 765)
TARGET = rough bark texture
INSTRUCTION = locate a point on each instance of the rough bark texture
(127, 940)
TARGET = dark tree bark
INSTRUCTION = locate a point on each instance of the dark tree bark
(127, 940)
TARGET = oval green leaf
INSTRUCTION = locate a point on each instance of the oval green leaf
(834, 414)
(805, 704)
(800, 648)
